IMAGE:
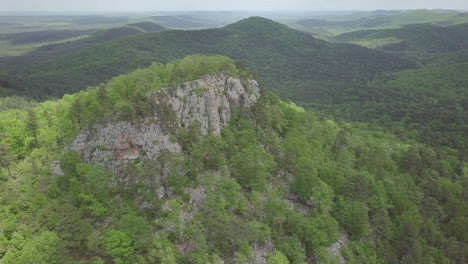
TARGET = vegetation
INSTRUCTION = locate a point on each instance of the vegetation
(277, 175)
(148, 26)
(7, 48)
(286, 60)
(347, 81)
(382, 19)
(427, 104)
(429, 100)
(43, 45)
(183, 22)
(416, 40)
(42, 36)
(24, 23)
(376, 42)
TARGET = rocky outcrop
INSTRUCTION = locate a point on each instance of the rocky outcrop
(260, 252)
(335, 249)
(208, 101)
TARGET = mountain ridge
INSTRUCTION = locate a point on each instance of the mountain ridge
(385, 19)
(272, 48)
(416, 38)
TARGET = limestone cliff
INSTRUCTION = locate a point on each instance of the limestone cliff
(209, 101)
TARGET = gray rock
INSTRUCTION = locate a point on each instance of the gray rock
(56, 170)
(161, 192)
(208, 101)
(260, 252)
(336, 248)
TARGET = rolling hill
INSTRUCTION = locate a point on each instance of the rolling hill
(147, 26)
(103, 36)
(294, 64)
(420, 39)
(59, 49)
(183, 22)
(378, 20)
(42, 36)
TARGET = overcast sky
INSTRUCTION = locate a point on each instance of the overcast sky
(156, 5)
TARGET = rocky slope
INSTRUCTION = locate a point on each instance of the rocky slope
(208, 101)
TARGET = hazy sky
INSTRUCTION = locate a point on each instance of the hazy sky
(155, 5)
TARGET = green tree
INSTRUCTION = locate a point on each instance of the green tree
(137, 228)
(44, 249)
(252, 167)
(118, 245)
(6, 158)
(353, 217)
(457, 228)
(33, 126)
(69, 162)
(161, 250)
(293, 249)
(277, 257)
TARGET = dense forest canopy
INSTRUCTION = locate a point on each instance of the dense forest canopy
(285, 59)
(312, 72)
(379, 19)
(126, 139)
(418, 41)
(278, 175)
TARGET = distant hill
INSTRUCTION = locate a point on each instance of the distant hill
(126, 30)
(414, 38)
(182, 22)
(295, 64)
(438, 17)
(148, 26)
(117, 32)
(386, 19)
(42, 36)
(113, 33)
(363, 14)
(366, 22)
(60, 49)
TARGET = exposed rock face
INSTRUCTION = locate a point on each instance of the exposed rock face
(56, 170)
(208, 101)
(336, 248)
(261, 252)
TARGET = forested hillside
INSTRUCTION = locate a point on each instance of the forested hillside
(84, 39)
(431, 102)
(344, 80)
(347, 81)
(42, 37)
(286, 60)
(381, 19)
(418, 41)
(183, 22)
(278, 184)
